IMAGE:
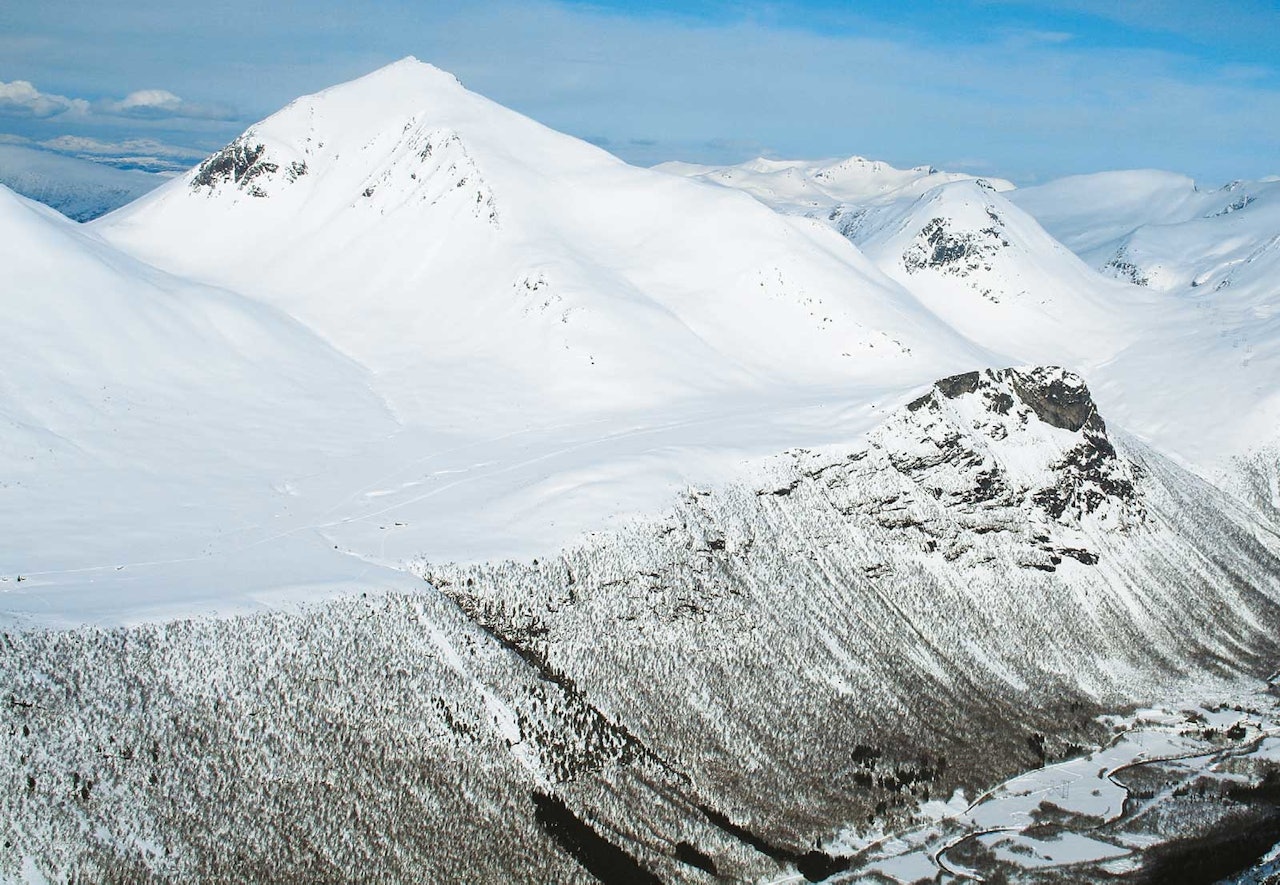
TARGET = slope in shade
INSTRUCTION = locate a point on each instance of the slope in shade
(144, 416)
(1155, 228)
(1214, 257)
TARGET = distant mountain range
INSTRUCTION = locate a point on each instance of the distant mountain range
(80, 189)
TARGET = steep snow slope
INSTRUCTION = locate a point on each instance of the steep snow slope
(1092, 214)
(993, 273)
(963, 249)
(814, 187)
(79, 189)
(466, 253)
(147, 419)
(1158, 229)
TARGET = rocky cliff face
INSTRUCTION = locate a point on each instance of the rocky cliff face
(996, 437)
(243, 164)
(717, 691)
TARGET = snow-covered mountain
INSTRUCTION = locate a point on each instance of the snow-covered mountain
(625, 529)
(1161, 230)
(1214, 257)
(814, 187)
(79, 189)
(977, 255)
(460, 249)
(993, 273)
(567, 356)
(973, 258)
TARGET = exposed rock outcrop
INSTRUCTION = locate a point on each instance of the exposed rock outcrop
(240, 164)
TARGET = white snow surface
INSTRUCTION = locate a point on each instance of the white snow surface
(526, 340)
(538, 340)
(466, 253)
(397, 320)
(812, 187)
(1193, 375)
(149, 428)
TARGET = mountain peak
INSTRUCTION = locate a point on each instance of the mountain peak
(1029, 436)
(405, 107)
(413, 63)
(1058, 397)
(408, 70)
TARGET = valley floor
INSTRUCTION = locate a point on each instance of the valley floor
(1192, 791)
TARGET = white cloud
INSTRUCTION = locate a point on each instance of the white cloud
(148, 100)
(20, 98)
(130, 153)
(159, 103)
(79, 144)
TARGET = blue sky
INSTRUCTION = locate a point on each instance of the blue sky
(1025, 89)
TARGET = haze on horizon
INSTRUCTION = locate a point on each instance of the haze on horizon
(1023, 89)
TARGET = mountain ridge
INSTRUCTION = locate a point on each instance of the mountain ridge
(544, 229)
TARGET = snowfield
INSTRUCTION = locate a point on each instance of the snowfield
(150, 427)
(539, 340)
(1194, 375)
(463, 251)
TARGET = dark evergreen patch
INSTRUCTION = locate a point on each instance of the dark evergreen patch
(813, 865)
(597, 855)
(690, 855)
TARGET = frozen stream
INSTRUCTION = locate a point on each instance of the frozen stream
(1080, 813)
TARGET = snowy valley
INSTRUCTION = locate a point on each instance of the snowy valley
(78, 188)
